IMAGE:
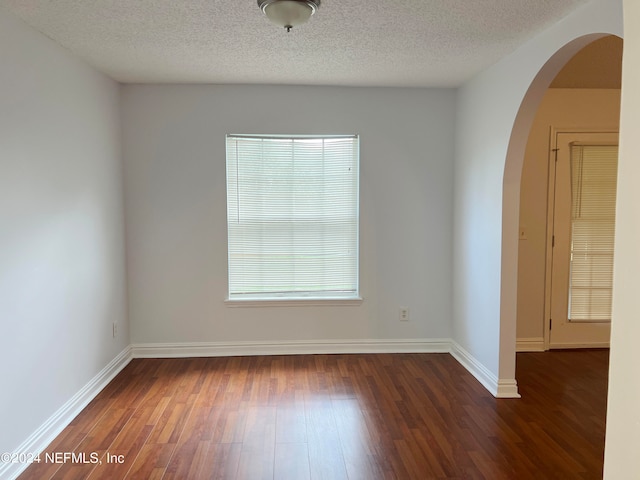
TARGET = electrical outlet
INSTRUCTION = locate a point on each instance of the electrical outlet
(115, 329)
(404, 314)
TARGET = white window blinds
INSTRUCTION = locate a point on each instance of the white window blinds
(593, 189)
(292, 215)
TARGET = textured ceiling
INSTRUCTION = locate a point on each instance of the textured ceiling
(347, 42)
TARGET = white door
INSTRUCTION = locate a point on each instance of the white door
(582, 246)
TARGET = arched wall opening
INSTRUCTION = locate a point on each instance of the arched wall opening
(583, 97)
(511, 192)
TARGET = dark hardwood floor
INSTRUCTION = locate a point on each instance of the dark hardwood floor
(401, 416)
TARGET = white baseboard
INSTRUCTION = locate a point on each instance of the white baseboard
(499, 388)
(507, 389)
(534, 344)
(50, 429)
(231, 349)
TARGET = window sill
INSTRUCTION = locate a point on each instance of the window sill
(294, 302)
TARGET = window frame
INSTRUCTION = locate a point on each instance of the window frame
(306, 299)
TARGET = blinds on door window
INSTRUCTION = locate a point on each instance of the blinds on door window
(593, 189)
(292, 216)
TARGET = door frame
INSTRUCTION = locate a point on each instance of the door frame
(551, 189)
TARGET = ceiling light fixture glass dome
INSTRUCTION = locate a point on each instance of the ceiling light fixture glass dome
(288, 13)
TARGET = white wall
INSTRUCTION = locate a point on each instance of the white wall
(487, 193)
(61, 228)
(597, 109)
(623, 415)
(174, 139)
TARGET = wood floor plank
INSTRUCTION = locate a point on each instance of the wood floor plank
(191, 446)
(292, 461)
(291, 424)
(151, 462)
(326, 460)
(355, 440)
(258, 444)
(400, 416)
(221, 462)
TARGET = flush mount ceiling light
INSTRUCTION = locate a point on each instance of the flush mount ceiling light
(288, 13)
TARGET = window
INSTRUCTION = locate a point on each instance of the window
(292, 217)
(594, 170)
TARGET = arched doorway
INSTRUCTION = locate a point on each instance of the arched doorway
(512, 186)
(582, 102)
